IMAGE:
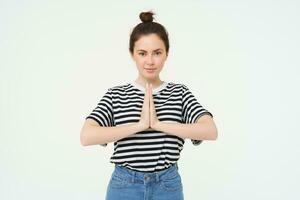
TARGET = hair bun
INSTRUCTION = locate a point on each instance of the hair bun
(146, 16)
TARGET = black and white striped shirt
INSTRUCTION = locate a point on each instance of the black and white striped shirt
(148, 150)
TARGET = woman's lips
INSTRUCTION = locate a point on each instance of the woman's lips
(150, 70)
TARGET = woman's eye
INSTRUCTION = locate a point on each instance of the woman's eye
(143, 54)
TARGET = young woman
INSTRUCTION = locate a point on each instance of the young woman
(148, 120)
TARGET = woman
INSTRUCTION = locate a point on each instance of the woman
(148, 120)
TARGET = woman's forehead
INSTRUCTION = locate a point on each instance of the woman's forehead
(149, 44)
(159, 49)
(151, 38)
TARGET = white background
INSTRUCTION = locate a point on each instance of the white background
(241, 61)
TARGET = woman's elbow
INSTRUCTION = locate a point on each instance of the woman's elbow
(214, 134)
(83, 140)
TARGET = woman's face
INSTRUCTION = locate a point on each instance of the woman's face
(149, 54)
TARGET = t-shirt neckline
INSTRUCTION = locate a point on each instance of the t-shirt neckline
(154, 91)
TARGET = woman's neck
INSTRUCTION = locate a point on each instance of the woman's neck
(155, 83)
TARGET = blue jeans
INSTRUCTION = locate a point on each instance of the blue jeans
(127, 184)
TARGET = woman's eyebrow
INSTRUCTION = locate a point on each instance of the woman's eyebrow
(146, 51)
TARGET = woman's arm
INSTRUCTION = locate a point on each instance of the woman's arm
(203, 129)
(93, 134)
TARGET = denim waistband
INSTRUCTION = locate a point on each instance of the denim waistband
(137, 176)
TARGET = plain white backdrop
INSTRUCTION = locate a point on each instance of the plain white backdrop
(240, 60)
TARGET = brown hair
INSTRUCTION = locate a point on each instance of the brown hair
(147, 27)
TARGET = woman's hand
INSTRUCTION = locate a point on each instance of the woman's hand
(153, 117)
(144, 122)
(148, 118)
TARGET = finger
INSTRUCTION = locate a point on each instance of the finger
(151, 99)
(150, 89)
(147, 92)
(146, 97)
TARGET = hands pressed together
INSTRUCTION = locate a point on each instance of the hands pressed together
(148, 114)
(197, 131)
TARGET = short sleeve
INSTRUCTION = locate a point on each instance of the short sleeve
(192, 110)
(103, 112)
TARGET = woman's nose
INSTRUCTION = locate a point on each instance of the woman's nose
(150, 59)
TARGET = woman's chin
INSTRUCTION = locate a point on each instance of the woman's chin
(150, 77)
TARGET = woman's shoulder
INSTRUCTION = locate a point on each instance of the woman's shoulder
(176, 84)
(183, 86)
(120, 86)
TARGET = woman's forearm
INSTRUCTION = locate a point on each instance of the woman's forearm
(93, 134)
(195, 131)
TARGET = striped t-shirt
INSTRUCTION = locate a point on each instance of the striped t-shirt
(148, 150)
